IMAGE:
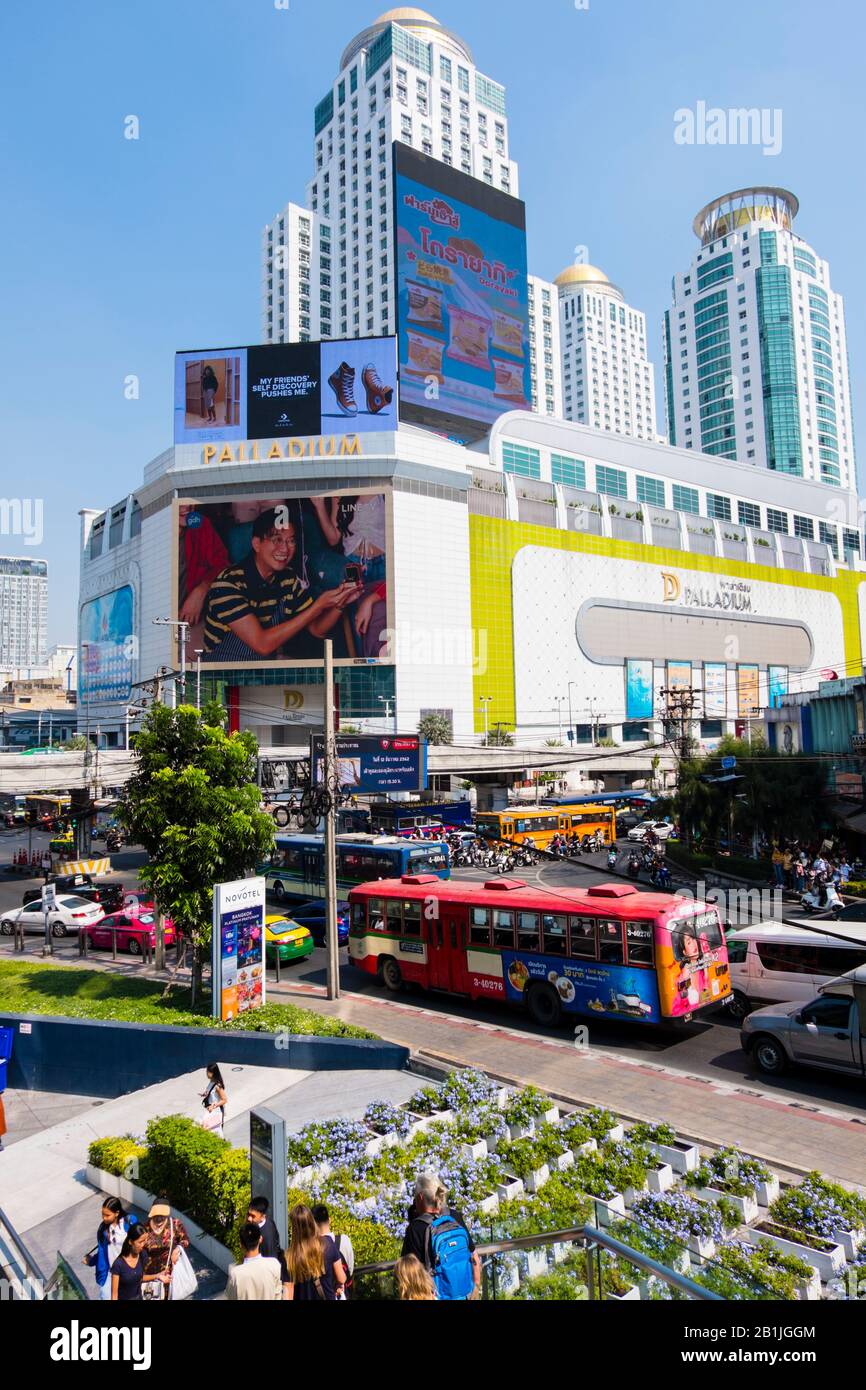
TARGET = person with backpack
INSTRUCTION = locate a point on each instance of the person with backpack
(316, 1271)
(345, 1249)
(439, 1238)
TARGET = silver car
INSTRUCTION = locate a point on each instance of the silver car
(828, 1032)
(68, 915)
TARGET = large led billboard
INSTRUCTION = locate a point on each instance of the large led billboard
(107, 646)
(462, 297)
(266, 580)
(285, 390)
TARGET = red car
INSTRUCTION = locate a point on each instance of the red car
(133, 929)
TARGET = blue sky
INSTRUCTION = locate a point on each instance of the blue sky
(115, 252)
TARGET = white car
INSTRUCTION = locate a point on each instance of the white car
(660, 829)
(68, 914)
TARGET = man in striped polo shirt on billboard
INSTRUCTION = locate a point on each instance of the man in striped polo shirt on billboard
(255, 609)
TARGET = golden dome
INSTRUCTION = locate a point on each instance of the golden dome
(404, 14)
(581, 275)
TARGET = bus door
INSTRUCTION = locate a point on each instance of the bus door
(564, 825)
(312, 872)
(446, 949)
(507, 829)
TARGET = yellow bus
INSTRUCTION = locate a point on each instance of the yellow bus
(537, 825)
(50, 806)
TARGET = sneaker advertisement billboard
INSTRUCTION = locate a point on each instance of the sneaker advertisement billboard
(462, 298)
(266, 580)
(285, 391)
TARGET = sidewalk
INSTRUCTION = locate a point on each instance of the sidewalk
(792, 1137)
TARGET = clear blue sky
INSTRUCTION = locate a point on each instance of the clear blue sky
(115, 253)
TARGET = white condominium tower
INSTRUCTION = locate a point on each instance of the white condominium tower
(544, 348)
(328, 268)
(23, 614)
(755, 347)
(607, 378)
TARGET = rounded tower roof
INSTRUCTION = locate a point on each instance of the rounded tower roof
(586, 277)
(420, 22)
(775, 206)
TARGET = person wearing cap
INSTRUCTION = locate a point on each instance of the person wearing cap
(166, 1237)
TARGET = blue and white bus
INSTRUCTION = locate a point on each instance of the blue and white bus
(296, 869)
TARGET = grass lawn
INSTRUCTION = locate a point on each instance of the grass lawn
(67, 992)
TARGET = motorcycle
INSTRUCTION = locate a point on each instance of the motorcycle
(113, 841)
(823, 898)
(634, 867)
(612, 858)
(662, 878)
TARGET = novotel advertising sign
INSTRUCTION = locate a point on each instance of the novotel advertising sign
(238, 947)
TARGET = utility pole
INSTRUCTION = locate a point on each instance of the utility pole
(485, 706)
(331, 780)
(182, 641)
(199, 652)
(680, 710)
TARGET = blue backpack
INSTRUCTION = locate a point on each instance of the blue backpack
(450, 1259)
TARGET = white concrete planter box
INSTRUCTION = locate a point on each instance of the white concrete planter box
(828, 1262)
(811, 1292)
(612, 1210)
(510, 1188)
(535, 1263)
(522, 1131)
(630, 1296)
(375, 1146)
(564, 1161)
(702, 1246)
(492, 1141)
(661, 1179)
(502, 1097)
(746, 1206)
(767, 1192)
(507, 1274)
(614, 1135)
(302, 1178)
(140, 1201)
(536, 1180)
(683, 1158)
(476, 1150)
(631, 1194)
(589, 1146)
(489, 1205)
(850, 1242)
(551, 1116)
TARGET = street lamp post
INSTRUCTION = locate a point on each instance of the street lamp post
(558, 699)
(387, 701)
(199, 652)
(570, 711)
(485, 707)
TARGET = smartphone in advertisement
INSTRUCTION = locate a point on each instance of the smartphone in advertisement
(353, 574)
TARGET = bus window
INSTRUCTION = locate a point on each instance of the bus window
(503, 930)
(377, 914)
(359, 915)
(555, 938)
(411, 918)
(349, 865)
(479, 927)
(393, 916)
(507, 830)
(583, 937)
(639, 943)
(610, 943)
(527, 931)
(427, 861)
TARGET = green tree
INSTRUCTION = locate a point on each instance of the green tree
(436, 729)
(776, 794)
(194, 805)
(499, 737)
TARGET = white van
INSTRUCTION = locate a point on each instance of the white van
(772, 962)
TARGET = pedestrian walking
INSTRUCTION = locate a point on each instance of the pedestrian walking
(345, 1249)
(315, 1268)
(167, 1244)
(414, 1283)
(128, 1273)
(257, 1278)
(110, 1236)
(214, 1100)
(439, 1237)
(257, 1215)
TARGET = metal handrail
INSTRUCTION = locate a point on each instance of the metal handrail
(16, 1260)
(588, 1237)
(65, 1274)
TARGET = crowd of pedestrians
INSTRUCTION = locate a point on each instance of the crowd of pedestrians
(134, 1260)
(800, 868)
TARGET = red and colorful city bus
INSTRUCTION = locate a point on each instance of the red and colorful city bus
(609, 951)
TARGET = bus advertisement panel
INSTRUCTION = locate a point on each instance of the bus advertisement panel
(688, 955)
(617, 991)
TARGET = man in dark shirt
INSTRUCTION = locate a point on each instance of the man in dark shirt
(270, 1246)
(431, 1200)
(254, 610)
